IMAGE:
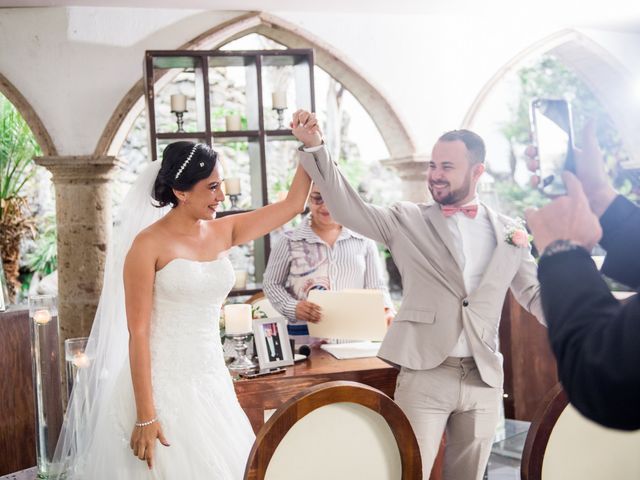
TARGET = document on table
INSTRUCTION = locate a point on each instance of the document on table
(349, 315)
(343, 351)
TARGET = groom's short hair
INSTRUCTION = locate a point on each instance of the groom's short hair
(473, 142)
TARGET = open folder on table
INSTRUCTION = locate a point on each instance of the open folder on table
(349, 315)
(343, 351)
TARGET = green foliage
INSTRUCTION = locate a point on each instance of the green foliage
(238, 146)
(44, 257)
(549, 78)
(282, 184)
(17, 149)
(519, 198)
(355, 171)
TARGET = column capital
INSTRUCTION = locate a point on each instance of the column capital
(413, 171)
(411, 167)
(85, 169)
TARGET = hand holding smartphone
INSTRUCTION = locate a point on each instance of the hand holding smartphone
(553, 133)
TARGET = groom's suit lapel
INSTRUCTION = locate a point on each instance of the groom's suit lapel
(502, 254)
(449, 262)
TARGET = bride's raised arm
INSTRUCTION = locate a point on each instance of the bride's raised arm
(249, 226)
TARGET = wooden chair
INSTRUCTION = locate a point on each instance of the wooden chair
(564, 445)
(260, 300)
(336, 430)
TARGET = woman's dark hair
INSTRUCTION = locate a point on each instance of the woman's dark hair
(183, 165)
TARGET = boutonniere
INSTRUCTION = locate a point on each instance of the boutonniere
(517, 236)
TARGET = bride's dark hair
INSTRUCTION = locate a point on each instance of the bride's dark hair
(178, 173)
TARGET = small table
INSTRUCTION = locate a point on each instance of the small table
(269, 392)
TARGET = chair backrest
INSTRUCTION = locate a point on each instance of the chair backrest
(336, 430)
(564, 445)
(261, 301)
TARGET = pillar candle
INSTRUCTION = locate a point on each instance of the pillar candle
(178, 103)
(279, 100)
(232, 186)
(237, 319)
(233, 122)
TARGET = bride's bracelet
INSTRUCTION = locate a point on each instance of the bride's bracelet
(144, 424)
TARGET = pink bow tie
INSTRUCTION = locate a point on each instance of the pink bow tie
(470, 210)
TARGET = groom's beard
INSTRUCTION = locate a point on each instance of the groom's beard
(454, 196)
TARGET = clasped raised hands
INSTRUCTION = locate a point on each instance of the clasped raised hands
(305, 128)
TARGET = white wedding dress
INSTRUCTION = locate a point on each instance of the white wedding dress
(210, 435)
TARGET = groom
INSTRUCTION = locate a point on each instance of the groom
(457, 258)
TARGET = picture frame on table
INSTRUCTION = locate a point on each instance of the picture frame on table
(272, 342)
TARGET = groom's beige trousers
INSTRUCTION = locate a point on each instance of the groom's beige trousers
(451, 396)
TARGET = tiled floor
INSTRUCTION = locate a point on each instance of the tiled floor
(503, 468)
(504, 462)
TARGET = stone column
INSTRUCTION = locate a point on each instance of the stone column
(413, 173)
(83, 215)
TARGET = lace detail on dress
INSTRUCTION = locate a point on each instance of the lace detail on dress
(193, 393)
(185, 332)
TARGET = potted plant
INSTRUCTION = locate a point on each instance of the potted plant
(17, 149)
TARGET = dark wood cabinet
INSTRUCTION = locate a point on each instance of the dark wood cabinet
(17, 412)
(530, 369)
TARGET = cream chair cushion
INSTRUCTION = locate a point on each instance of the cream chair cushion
(580, 449)
(337, 441)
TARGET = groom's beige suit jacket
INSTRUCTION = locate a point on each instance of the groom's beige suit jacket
(435, 306)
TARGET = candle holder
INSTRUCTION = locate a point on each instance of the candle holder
(280, 117)
(43, 316)
(75, 359)
(242, 363)
(179, 121)
(234, 198)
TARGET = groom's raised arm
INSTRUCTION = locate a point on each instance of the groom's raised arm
(344, 202)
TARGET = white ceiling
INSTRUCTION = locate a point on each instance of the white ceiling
(623, 15)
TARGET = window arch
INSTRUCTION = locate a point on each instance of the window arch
(396, 137)
(30, 116)
(576, 62)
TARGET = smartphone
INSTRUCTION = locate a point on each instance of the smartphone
(553, 133)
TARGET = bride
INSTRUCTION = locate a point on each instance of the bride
(168, 411)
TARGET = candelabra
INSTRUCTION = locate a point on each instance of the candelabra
(179, 121)
(280, 117)
(242, 363)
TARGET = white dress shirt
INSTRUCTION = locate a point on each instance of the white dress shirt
(474, 240)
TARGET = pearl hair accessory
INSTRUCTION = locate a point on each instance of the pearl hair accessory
(186, 162)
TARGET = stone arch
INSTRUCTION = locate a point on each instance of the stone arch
(30, 116)
(394, 133)
(609, 80)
